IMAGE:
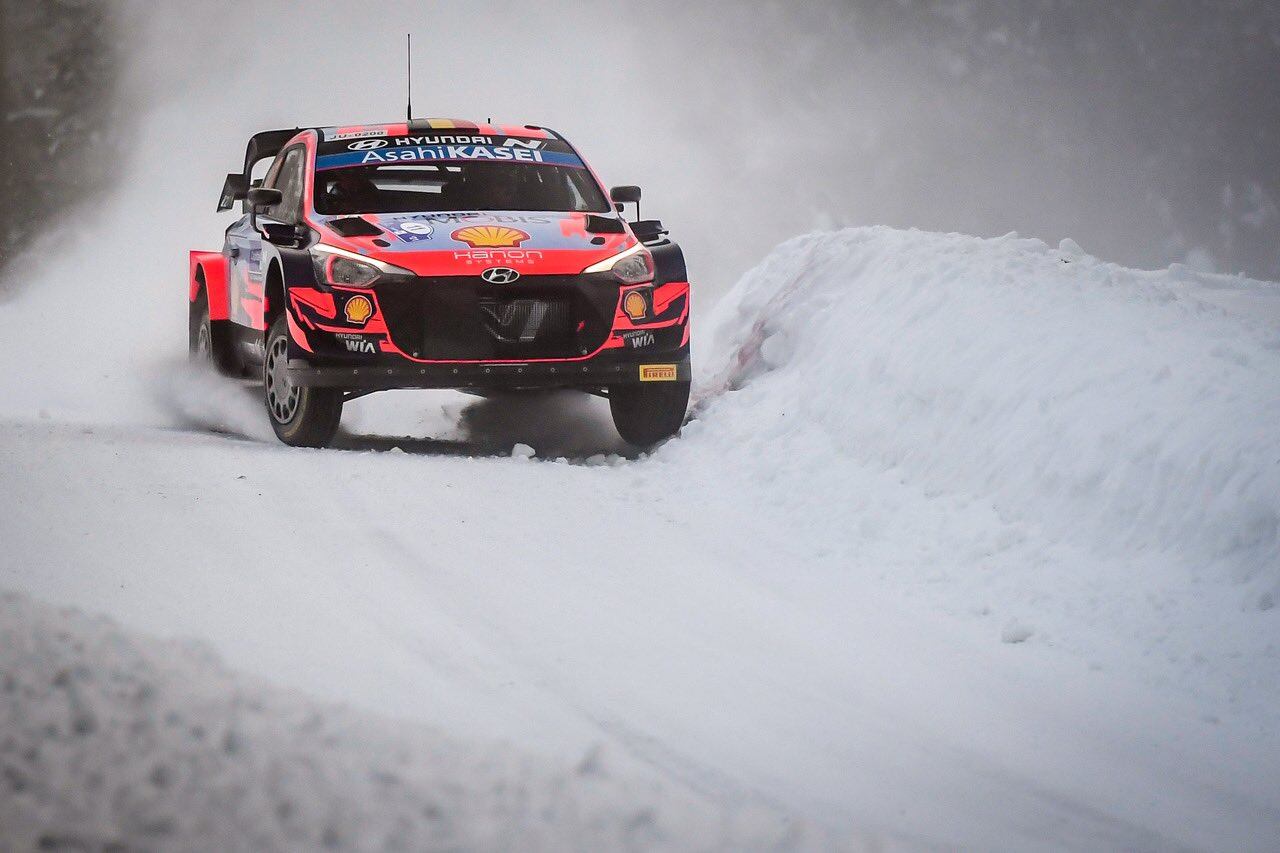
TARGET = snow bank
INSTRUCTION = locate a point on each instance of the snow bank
(110, 741)
(1121, 412)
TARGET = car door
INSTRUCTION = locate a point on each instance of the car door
(244, 260)
(245, 242)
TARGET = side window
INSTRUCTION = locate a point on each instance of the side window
(289, 180)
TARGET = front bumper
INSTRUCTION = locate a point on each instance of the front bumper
(459, 332)
(598, 372)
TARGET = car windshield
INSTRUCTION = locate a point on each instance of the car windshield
(401, 187)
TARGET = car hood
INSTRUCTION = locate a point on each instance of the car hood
(466, 243)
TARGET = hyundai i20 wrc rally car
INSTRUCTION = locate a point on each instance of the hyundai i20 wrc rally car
(439, 254)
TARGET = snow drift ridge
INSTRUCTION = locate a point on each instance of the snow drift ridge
(1099, 405)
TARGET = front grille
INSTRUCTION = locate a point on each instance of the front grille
(527, 321)
(465, 317)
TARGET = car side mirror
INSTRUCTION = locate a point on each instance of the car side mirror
(625, 195)
(245, 207)
(258, 198)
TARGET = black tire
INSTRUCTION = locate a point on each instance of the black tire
(648, 412)
(300, 416)
(206, 340)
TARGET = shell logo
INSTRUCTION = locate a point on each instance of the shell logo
(490, 236)
(634, 305)
(359, 309)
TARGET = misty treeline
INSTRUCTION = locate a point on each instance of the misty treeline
(1146, 129)
(1183, 94)
(61, 64)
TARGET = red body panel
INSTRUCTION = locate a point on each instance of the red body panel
(214, 266)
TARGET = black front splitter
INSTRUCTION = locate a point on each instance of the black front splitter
(595, 373)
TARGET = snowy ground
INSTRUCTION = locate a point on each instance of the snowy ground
(111, 741)
(969, 543)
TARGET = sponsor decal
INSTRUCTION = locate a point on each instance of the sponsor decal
(490, 236)
(462, 139)
(358, 310)
(500, 275)
(657, 373)
(441, 139)
(411, 231)
(358, 343)
(452, 152)
(477, 218)
(420, 153)
(636, 340)
(635, 305)
(504, 257)
(333, 135)
(367, 144)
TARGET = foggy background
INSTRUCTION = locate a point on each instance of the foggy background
(1145, 130)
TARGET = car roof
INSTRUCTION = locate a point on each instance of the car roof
(403, 128)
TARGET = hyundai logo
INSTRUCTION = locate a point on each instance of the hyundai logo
(367, 144)
(499, 275)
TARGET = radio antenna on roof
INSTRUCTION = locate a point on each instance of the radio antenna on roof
(408, 65)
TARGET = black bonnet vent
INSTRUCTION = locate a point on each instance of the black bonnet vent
(354, 226)
(603, 225)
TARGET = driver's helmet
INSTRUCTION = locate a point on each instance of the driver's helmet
(349, 191)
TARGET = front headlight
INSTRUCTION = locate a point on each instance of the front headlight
(347, 269)
(632, 266)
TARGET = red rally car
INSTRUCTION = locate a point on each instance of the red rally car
(439, 254)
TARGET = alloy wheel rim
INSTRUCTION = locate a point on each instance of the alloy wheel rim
(282, 395)
(204, 348)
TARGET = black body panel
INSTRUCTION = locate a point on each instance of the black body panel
(465, 317)
(668, 261)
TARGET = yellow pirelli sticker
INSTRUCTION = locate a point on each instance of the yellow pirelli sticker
(657, 373)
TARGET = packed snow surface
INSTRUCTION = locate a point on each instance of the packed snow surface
(968, 543)
(111, 741)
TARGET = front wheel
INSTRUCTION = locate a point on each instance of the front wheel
(646, 413)
(301, 416)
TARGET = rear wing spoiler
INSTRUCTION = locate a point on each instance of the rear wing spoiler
(261, 146)
(234, 189)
